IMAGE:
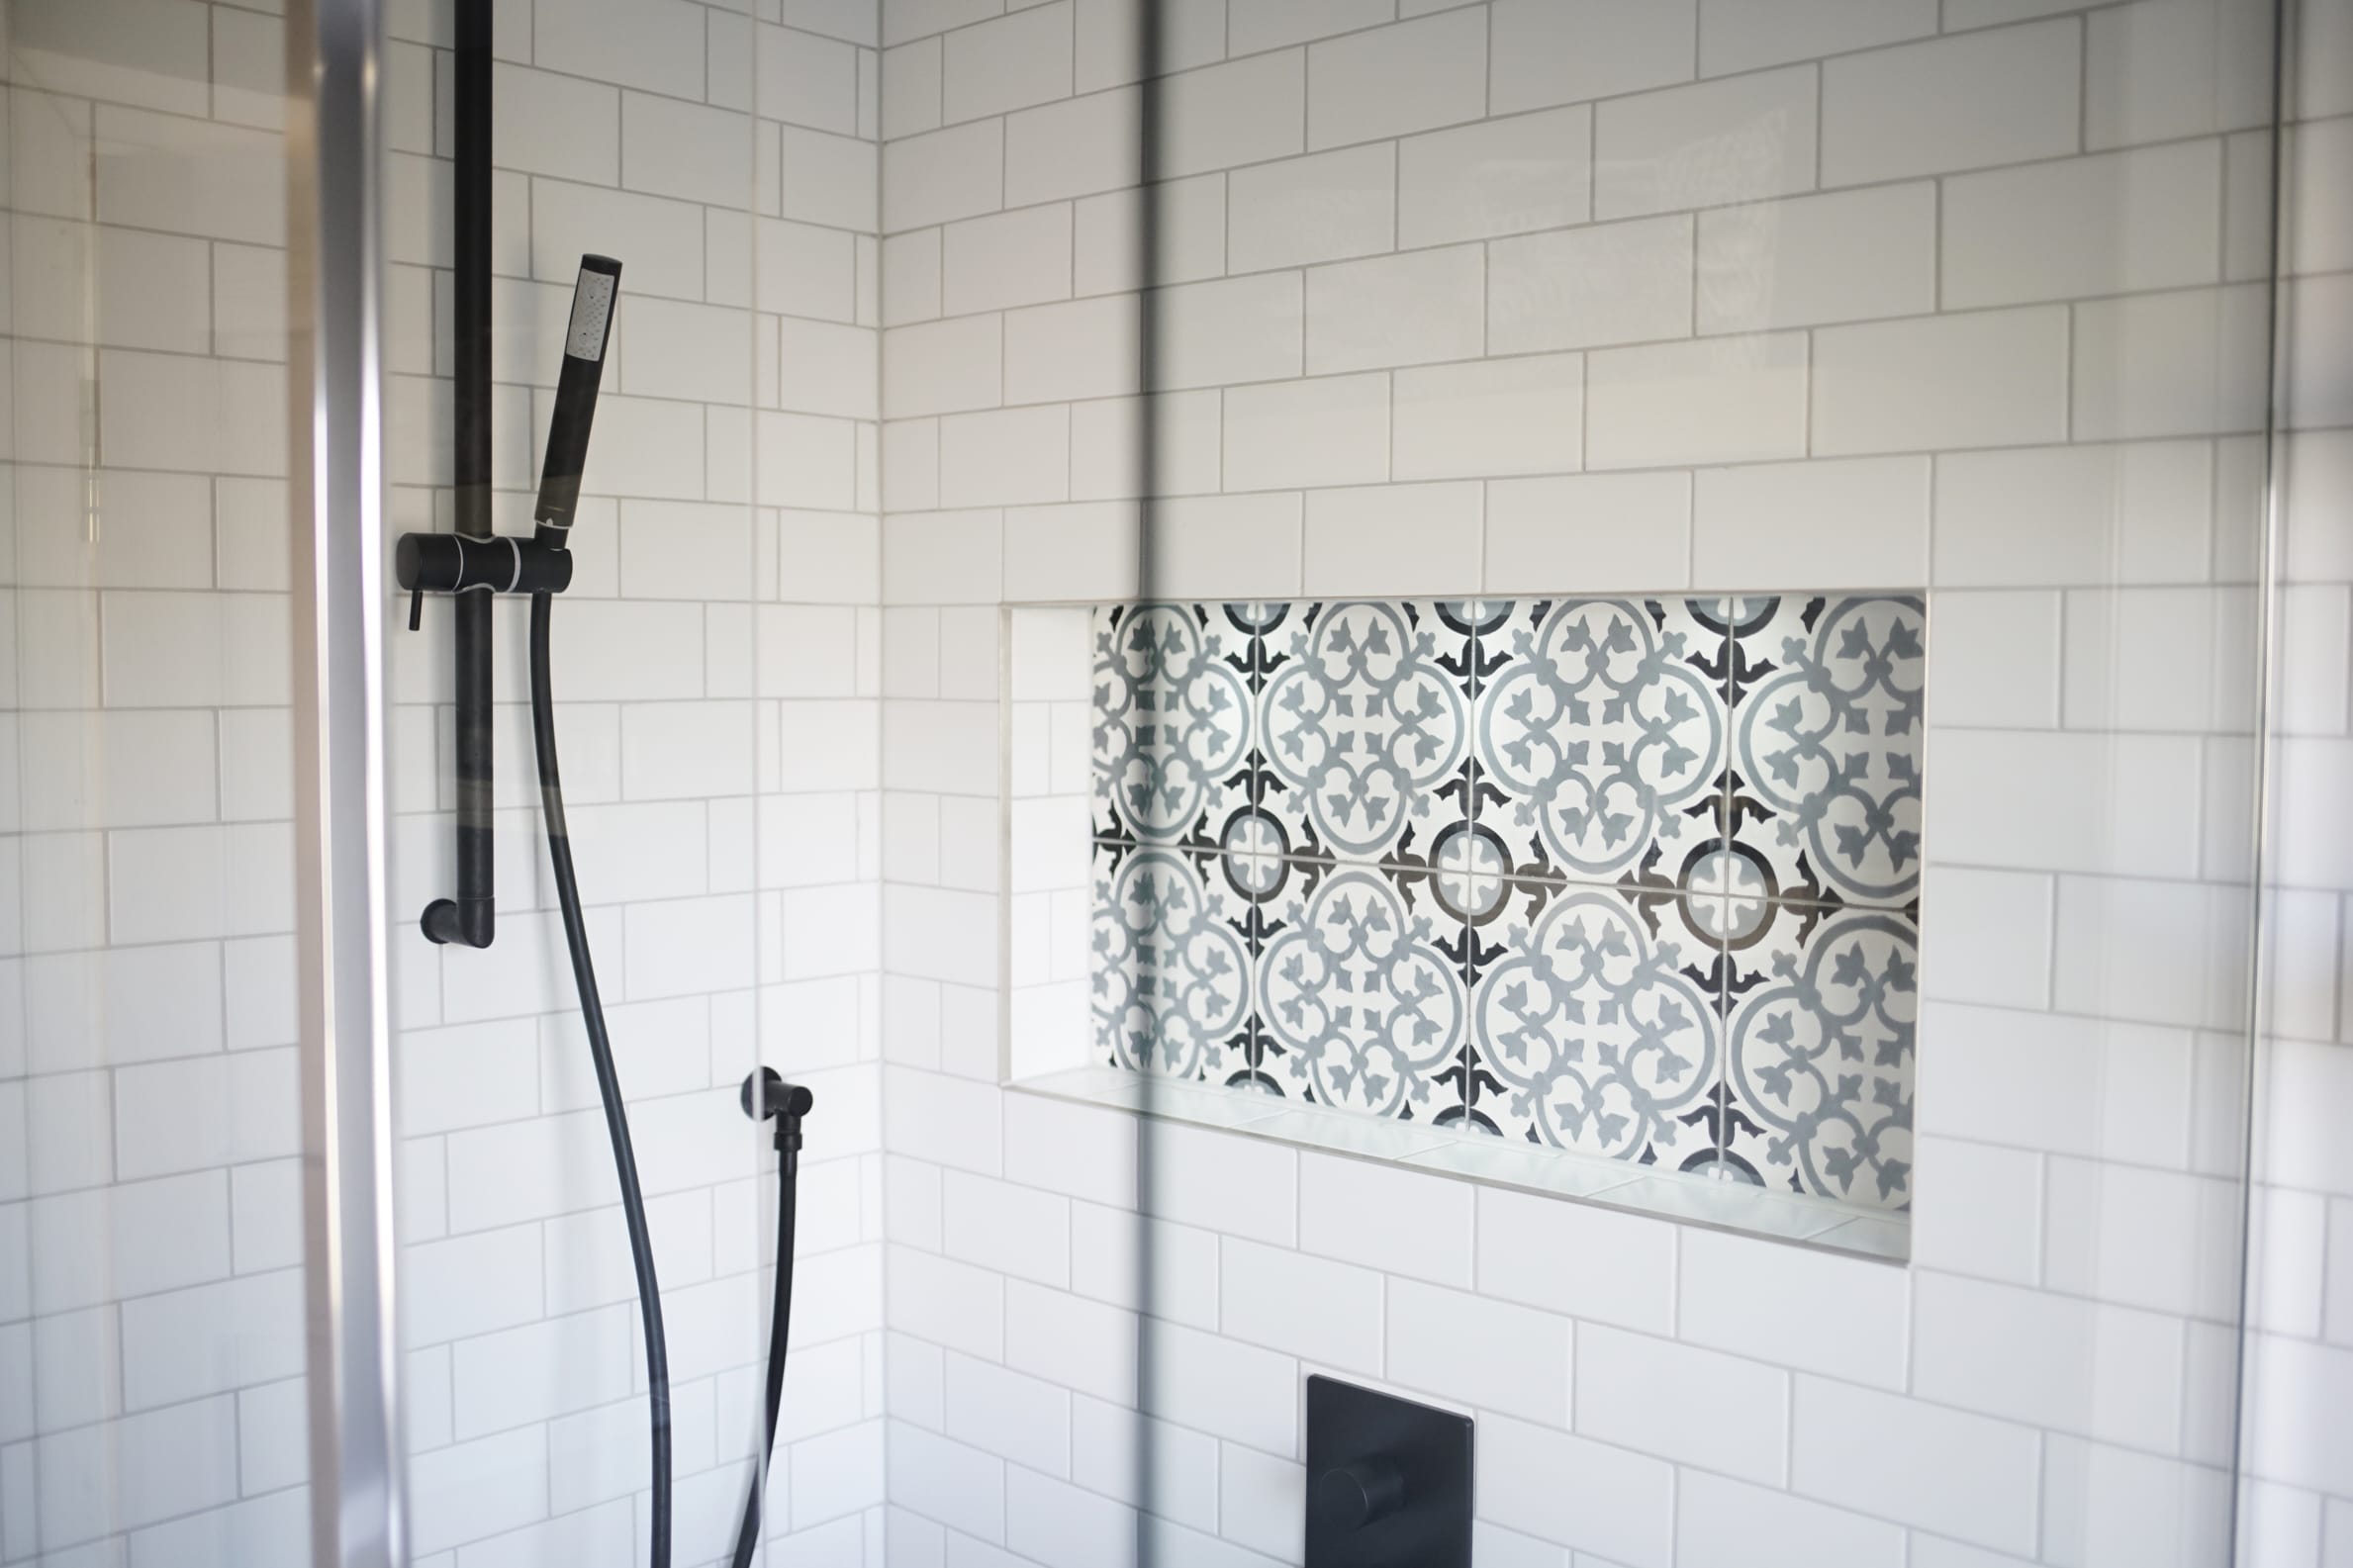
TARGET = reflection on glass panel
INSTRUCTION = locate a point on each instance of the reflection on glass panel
(151, 1295)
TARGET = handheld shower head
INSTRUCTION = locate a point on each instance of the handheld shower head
(585, 339)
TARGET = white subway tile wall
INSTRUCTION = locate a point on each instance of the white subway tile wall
(1957, 305)
(1778, 296)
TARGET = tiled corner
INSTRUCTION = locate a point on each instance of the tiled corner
(1635, 879)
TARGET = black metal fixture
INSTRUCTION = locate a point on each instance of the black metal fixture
(766, 1096)
(1389, 1481)
(473, 563)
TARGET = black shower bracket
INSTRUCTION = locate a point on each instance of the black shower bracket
(475, 562)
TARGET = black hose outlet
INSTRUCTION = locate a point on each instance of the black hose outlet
(767, 1095)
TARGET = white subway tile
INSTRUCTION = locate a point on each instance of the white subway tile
(830, 179)
(1526, 1245)
(1742, 138)
(1313, 209)
(1007, 1413)
(2148, 218)
(1995, 659)
(1190, 224)
(1246, 111)
(1333, 430)
(1940, 1469)
(959, 1486)
(1411, 309)
(1719, 399)
(1020, 257)
(1613, 531)
(1012, 1229)
(1274, 23)
(1697, 1407)
(1848, 255)
(1231, 329)
(1083, 349)
(1076, 148)
(939, 367)
(1192, 33)
(1005, 457)
(806, 82)
(1222, 1182)
(2166, 68)
(1480, 1351)
(687, 151)
(2186, 363)
(2179, 659)
(1221, 1386)
(655, 46)
(1393, 539)
(911, 88)
(1955, 103)
(1576, 1492)
(1306, 1306)
(1387, 1218)
(1725, 1523)
(1611, 283)
(1827, 524)
(1394, 80)
(1497, 177)
(1011, 63)
(1743, 35)
(942, 175)
(1517, 416)
(1990, 379)
(2159, 952)
(2089, 514)
(1993, 936)
(1217, 546)
(1818, 1311)
(1560, 51)
(1080, 1345)
(2049, 1361)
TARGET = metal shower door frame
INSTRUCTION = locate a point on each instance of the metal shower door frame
(336, 496)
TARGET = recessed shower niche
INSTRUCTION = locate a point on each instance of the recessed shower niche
(1630, 881)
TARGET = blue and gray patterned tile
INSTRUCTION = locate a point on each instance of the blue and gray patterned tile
(1601, 732)
(1597, 1022)
(1826, 749)
(1171, 723)
(1170, 970)
(1365, 730)
(1361, 987)
(1820, 1051)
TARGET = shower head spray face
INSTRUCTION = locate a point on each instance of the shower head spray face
(585, 341)
(592, 309)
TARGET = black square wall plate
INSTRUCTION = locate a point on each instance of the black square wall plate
(1388, 1481)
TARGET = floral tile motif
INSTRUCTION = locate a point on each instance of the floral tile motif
(1171, 723)
(1633, 878)
(1597, 1022)
(1827, 747)
(1364, 727)
(1820, 1037)
(1359, 982)
(1601, 736)
(1170, 971)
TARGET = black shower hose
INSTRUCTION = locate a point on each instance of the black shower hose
(765, 1094)
(608, 1087)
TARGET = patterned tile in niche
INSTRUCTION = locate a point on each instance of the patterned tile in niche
(1172, 734)
(1359, 982)
(1601, 736)
(1820, 1051)
(1826, 748)
(1169, 972)
(1363, 727)
(1595, 1022)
